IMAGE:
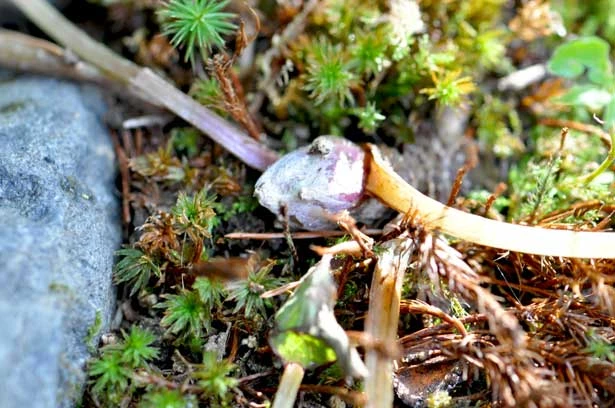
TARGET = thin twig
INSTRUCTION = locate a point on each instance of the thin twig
(255, 376)
(416, 306)
(349, 224)
(581, 127)
(576, 209)
(125, 177)
(434, 330)
(470, 163)
(146, 83)
(147, 121)
(295, 235)
(25, 53)
(499, 189)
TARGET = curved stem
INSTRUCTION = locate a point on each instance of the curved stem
(604, 165)
(383, 183)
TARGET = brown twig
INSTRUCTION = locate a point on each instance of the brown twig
(499, 189)
(295, 235)
(434, 330)
(604, 223)
(342, 276)
(577, 210)
(526, 288)
(456, 186)
(289, 238)
(349, 224)
(232, 355)
(582, 127)
(416, 306)
(125, 177)
(234, 101)
(138, 142)
(145, 377)
(470, 163)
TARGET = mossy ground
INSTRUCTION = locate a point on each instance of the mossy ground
(195, 327)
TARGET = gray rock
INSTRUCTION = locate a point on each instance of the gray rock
(59, 226)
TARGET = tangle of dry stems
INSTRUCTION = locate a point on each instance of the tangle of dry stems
(535, 351)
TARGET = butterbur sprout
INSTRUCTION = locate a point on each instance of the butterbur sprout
(332, 175)
(315, 182)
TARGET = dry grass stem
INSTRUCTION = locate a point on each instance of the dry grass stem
(25, 53)
(383, 317)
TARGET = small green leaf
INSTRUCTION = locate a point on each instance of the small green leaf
(572, 59)
(600, 348)
(590, 96)
(329, 75)
(195, 215)
(609, 115)
(211, 291)
(306, 331)
(369, 117)
(303, 349)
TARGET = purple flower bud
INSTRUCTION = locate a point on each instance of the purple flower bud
(314, 182)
